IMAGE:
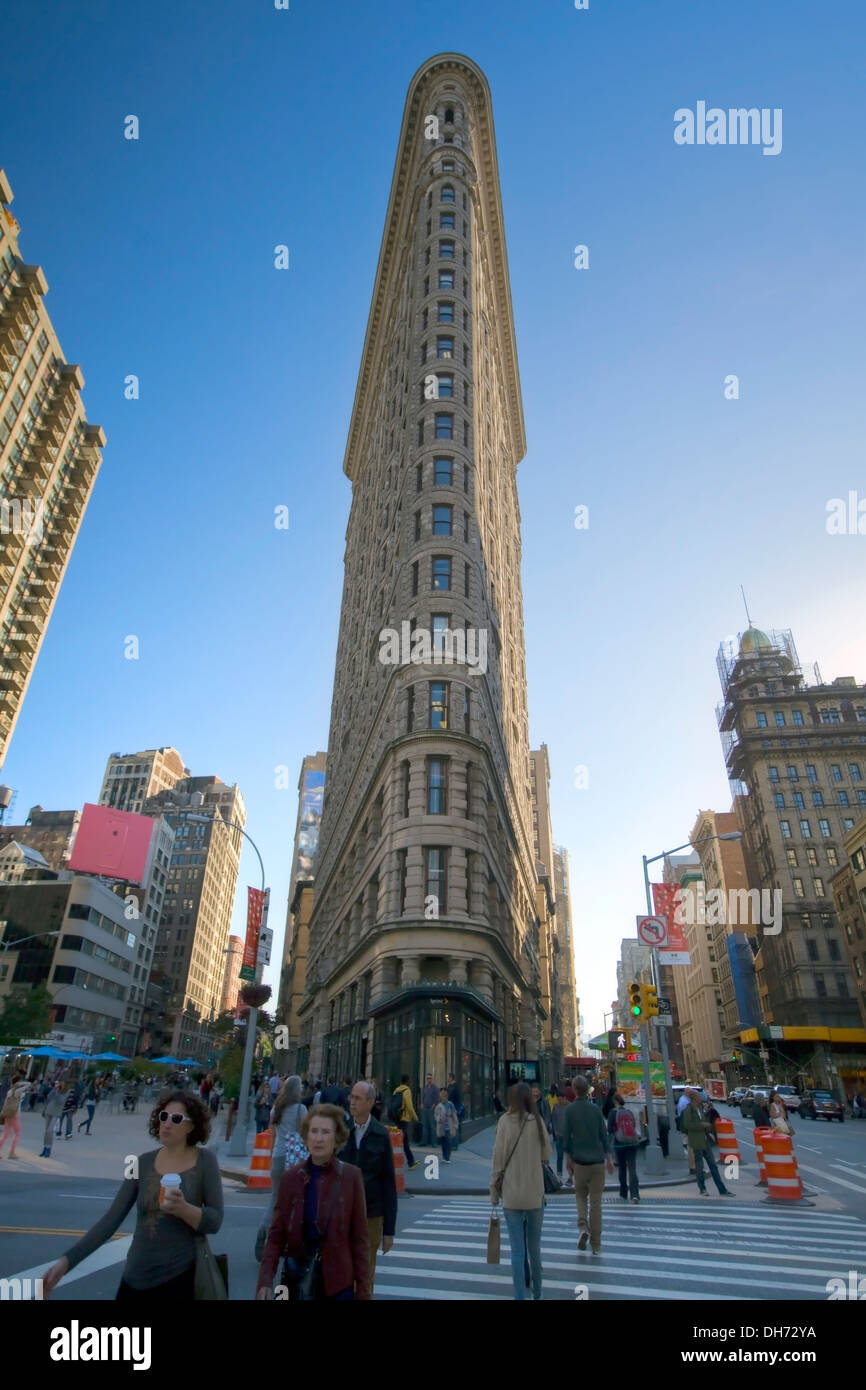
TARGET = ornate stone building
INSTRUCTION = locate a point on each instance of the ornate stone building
(424, 938)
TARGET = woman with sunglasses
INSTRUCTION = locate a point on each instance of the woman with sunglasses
(162, 1257)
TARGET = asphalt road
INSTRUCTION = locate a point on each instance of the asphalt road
(831, 1156)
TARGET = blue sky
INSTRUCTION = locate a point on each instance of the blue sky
(261, 127)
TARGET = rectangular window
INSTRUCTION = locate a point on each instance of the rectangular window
(854, 769)
(824, 826)
(444, 427)
(419, 476)
(410, 709)
(446, 250)
(441, 572)
(444, 347)
(436, 877)
(466, 580)
(811, 772)
(446, 222)
(466, 477)
(812, 858)
(805, 830)
(467, 710)
(799, 803)
(818, 885)
(439, 623)
(465, 528)
(442, 472)
(797, 716)
(447, 194)
(820, 987)
(832, 857)
(818, 799)
(404, 792)
(848, 823)
(793, 775)
(861, 798)
(786, 829)
(779, 800)
(760, 719)
(836, 771)
(466, 434)
(415, 579)
(812, 949)
(843, 799)
(444, 311)
(792, 858)
(417, 531)
(779, 716)
(774, 773)
(436, 790)
(446, 387)
(798, 888)
(438, 704)
(833, 948)
(446, 279)
(402, 856)
(420, 431)
(441, 520)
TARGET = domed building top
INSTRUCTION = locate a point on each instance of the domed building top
(752, 640)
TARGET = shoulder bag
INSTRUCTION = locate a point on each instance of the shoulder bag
(211, 1271)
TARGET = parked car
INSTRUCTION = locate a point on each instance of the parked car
(678, 1091)
(736, 1095)
(749, 1097)
(791, 1096)
(815, 1103)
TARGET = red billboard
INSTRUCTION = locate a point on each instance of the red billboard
(114, 844)
(255, 907)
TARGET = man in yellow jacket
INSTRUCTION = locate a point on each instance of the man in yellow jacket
(407, 1116)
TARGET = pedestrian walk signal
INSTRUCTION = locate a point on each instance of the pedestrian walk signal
(619, 1040)
(635, 999)
(650, 1001)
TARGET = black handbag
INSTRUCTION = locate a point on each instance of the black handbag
(551, 1181)
(304, 1278)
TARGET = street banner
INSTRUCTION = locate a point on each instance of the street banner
(676, 948)
(629, 1079)
(255, 907)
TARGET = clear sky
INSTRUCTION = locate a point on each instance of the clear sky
(261, 127)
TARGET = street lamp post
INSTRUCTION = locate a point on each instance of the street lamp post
(238, 1142)
(656, 974)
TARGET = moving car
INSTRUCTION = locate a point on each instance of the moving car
(815, 1103)
(791, 1096)
(736, 1095)
(749, 1097)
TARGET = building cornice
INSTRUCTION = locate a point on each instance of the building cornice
(396, 239)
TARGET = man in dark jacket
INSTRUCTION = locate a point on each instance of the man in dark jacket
(369, 1148)
(587, 1154)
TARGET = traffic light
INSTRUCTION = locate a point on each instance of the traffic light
(735, 1057)
(635, 999)
(650, 1001)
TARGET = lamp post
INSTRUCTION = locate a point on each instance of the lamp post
(669, 1095)
(238, 1142)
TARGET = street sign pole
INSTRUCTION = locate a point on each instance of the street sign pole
(669, 1095)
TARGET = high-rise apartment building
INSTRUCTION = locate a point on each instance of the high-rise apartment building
(424, 939)
(565, 931)
(232, 980)
(796, 756)
(185, 989)
(52, 833)
(49, 459)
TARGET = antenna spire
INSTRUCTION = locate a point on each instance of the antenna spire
(746, 606)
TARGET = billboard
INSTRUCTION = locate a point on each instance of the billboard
(310, 819)
(255, 911)
(629, 1079)
(519, 1069)
(666, 904)
(114, 844)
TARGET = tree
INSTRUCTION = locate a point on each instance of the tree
(26, 1013)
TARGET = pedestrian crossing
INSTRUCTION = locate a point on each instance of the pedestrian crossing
(687, 1249)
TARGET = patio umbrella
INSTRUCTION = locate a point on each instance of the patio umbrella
(165, 1061)
(189, 1062)
(108, 1057)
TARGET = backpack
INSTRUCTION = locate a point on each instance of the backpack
(395, 1107)
(625, 1130)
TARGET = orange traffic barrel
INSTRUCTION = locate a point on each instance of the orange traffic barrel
(399, 1157)
(260, 1162)
(764, 1132)
(784, 1183)
(727, 1137)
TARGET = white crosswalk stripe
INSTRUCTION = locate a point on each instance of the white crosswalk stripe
(664, 1250)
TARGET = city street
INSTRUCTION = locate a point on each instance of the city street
(676, 1245)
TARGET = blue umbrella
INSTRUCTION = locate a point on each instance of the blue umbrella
(189, 1062)
(165, 1062)
(108, 1057)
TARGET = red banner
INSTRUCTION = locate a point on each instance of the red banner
(255, 907)
(665, 905)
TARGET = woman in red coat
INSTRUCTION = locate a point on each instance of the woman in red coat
(320, 1214)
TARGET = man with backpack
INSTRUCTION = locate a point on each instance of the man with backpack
(402, 1113)
(626, 1141)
